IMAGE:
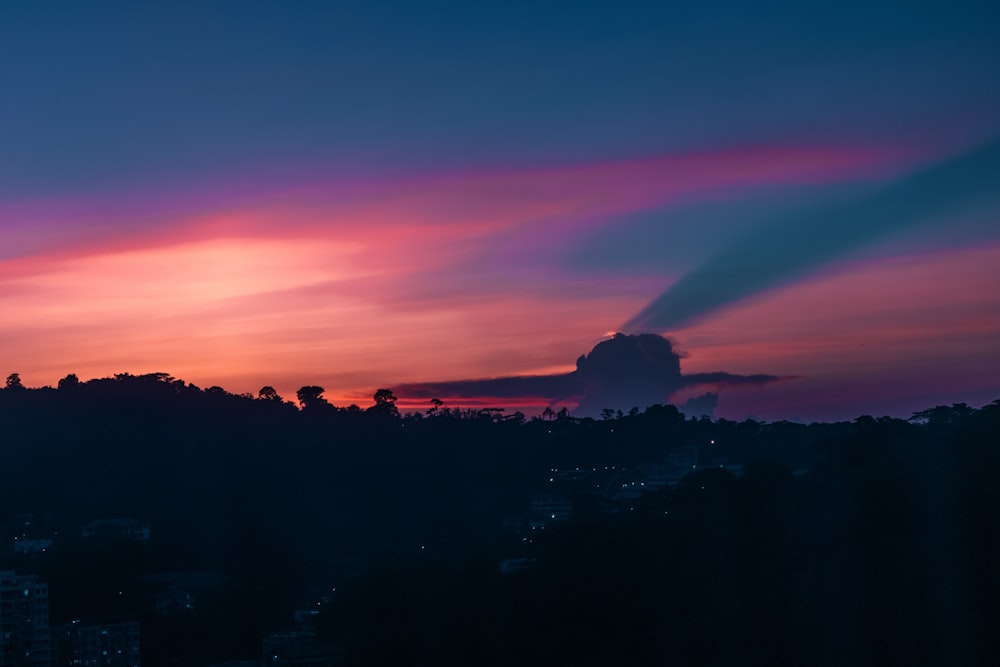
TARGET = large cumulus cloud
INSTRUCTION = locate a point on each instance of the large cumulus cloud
(620, 373)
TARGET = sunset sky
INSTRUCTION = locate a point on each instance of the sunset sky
(365, 195)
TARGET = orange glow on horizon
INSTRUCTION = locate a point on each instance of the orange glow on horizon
(445, 277)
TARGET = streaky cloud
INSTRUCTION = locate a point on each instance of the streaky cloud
(620, 373)
(798, 244)
(549, 387)
(732, 380)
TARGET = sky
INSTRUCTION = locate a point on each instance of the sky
(425, 195)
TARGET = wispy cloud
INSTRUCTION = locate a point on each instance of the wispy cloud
(348, 284)
(791, 247)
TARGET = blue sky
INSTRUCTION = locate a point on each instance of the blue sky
(361, 194)
(102, 94)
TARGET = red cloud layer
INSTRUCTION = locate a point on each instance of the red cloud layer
(352, 287)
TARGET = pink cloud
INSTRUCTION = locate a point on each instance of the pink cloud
(484, 199)
(349, 287)
(881, 333)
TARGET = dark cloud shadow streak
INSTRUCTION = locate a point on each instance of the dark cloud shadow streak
(796, 245)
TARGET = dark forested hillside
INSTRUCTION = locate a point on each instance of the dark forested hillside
(230, 524)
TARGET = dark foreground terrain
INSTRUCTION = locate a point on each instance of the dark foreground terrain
(237, 528)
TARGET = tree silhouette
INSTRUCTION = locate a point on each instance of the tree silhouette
(268, 393)
(943, 415)
(385, 404)
(383, 396)
(865, 539)
(14, 381)
(311, 397)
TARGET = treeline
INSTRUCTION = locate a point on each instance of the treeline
(884, 553)
(864, 542)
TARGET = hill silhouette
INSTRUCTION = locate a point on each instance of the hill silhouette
(864, 542)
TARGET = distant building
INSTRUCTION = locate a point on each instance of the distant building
(546, 509)
(100, 644)
(172, 600)
(28, 546)
(683, 460)
(36, 524)
(305, 618)
(117, 529)
(178, 591)
(32, 532)
(24, 621)
(513, 565)
(735, 469)
(299, 649)
(648, 477)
